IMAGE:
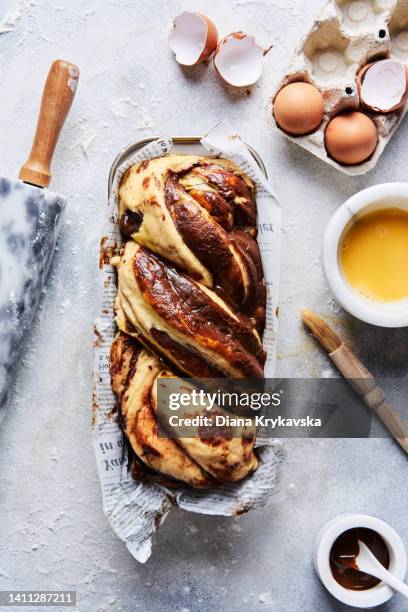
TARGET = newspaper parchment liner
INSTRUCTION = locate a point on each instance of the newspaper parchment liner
(135, 509)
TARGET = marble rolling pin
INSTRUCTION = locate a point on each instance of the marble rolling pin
(358, 376)
(30, 220)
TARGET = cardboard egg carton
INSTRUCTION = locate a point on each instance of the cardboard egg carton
(347, 35)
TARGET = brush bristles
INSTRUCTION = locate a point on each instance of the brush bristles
(321, 331)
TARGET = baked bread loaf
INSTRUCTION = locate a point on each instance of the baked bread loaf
(191, 296)
(199, 461)
(199, 214)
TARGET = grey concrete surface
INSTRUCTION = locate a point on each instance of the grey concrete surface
(53, 534)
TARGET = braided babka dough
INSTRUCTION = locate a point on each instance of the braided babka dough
(199, 461)
(191, 291)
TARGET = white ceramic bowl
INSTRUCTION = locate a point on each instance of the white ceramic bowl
(384, 314)
(324, 542)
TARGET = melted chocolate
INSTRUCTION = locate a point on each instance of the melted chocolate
(345, 551)
(231, 186)
(130, 222)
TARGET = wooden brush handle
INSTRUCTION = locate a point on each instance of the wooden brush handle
(59, 92)
(364, 384)
(393, 423)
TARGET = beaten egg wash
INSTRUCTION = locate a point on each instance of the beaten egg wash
(373, 255)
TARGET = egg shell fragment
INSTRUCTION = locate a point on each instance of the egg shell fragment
(238, 59)
(382, 85)
(193, 38)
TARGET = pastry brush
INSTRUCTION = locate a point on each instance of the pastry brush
(357, 375)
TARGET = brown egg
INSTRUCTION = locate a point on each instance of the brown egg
(351, 138)
(298, 108)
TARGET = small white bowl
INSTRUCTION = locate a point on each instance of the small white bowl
(378, 197)
(323, 545)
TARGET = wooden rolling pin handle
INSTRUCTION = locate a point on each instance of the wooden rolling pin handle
(364, 384)
(59, 92)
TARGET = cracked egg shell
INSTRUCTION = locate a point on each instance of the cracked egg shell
(351, 138)
(382, 85)
(238, 59)
(193, 38)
